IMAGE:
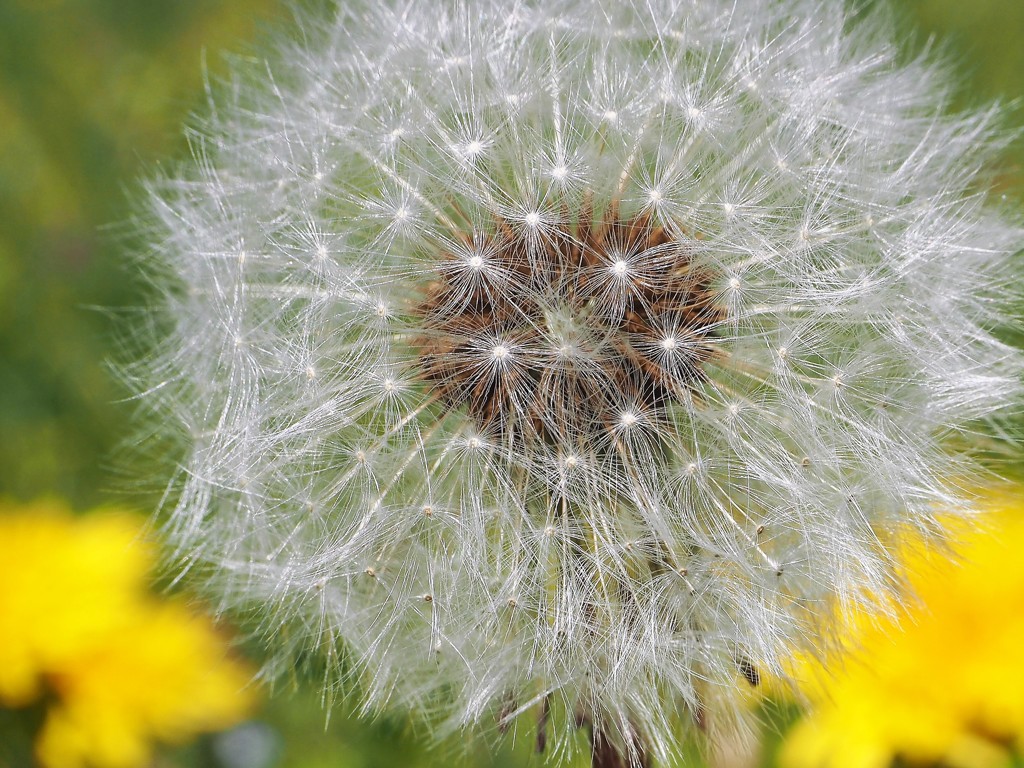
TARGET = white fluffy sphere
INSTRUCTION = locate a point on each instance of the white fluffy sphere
(563, 357)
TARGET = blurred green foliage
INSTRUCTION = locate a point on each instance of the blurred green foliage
(92, 94)
(985, 38)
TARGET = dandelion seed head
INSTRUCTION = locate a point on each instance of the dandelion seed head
(580, 347)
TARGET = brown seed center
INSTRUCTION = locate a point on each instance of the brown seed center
(570, 333)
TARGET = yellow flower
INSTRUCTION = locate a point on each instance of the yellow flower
(120, 668)
(938, 682)
(65, 584)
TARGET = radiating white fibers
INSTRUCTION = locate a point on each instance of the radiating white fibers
(569, 355)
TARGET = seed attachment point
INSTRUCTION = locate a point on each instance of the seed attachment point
(573, 332)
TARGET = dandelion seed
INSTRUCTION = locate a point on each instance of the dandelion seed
(596, 290)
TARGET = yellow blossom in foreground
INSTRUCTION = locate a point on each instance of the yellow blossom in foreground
(943, 681)
(65, 584)
(119, 668)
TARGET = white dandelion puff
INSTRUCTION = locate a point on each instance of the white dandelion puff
(552, 362)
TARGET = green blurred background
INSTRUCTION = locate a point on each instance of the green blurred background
(93, 94)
